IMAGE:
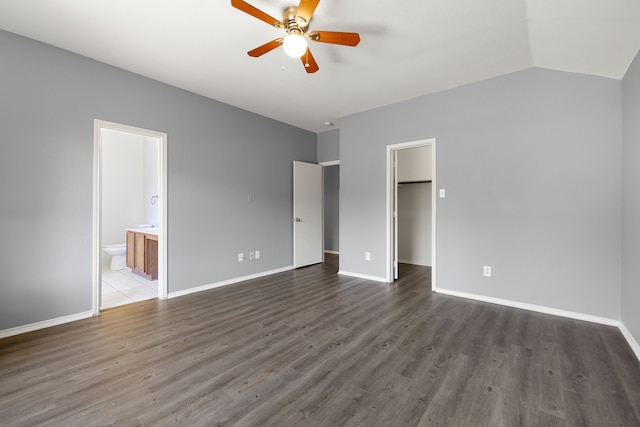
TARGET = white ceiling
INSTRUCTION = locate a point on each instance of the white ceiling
(408, 48)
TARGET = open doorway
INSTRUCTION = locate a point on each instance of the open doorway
(411, 207)
(129, 194)
(331, 207)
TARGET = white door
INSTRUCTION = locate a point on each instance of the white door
(308, 241)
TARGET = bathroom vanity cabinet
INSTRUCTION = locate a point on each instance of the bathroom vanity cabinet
(142, 253)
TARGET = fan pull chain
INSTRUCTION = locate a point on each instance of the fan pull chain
(282, 59)
(306, 63)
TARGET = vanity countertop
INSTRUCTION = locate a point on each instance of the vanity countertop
(146, 230)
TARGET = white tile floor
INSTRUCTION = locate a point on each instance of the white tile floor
(123, 287)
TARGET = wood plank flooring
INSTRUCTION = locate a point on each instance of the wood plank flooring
(311, 348)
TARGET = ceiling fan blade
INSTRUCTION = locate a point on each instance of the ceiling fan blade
(309, 62)
(267, 47)
(255, 12)
(334, 37)
(306, 9)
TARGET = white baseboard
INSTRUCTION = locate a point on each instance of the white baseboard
(635, 347)
(332, 252)
(532, 307)
(632, 341)
(45, 324)
(227, 282)
(362, 276)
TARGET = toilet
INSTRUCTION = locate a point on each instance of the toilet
(118, 254)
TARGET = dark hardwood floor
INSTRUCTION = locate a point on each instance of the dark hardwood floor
(311, 348)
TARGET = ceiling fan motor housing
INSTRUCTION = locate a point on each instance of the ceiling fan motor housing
(292, 23)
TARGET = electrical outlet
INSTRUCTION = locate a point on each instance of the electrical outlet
(257, 254)
(240, 257)
(443, 193)
(486, 271)
(367, 256)
(251, 256)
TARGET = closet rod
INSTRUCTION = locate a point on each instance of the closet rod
(415, 182)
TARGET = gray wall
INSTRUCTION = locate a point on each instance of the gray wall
(329, 146)
(329, 151)
(332, 208)
(217, 154)
(631, 199)
(531, 165)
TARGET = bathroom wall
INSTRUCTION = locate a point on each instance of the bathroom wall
(151, 161)
(123, 186)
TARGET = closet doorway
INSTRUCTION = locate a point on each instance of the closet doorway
(411, 214)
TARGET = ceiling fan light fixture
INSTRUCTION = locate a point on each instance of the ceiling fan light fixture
(295, 21)
(294, 45)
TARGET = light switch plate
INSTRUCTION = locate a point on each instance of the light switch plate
(486, 271)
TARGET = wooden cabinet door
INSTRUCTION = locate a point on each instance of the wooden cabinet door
(142, 254)
(151, 261)
(131, 244)
(139, 252)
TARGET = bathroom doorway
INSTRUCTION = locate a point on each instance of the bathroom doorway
(129, 194)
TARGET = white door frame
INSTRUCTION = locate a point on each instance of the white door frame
(394, 210)
(98, 125)
(391, 149)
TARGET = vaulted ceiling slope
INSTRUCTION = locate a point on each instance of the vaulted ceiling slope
(409, 47)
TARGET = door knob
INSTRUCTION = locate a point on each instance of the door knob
(298, 220)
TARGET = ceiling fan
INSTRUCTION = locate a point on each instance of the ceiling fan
(295, 22)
